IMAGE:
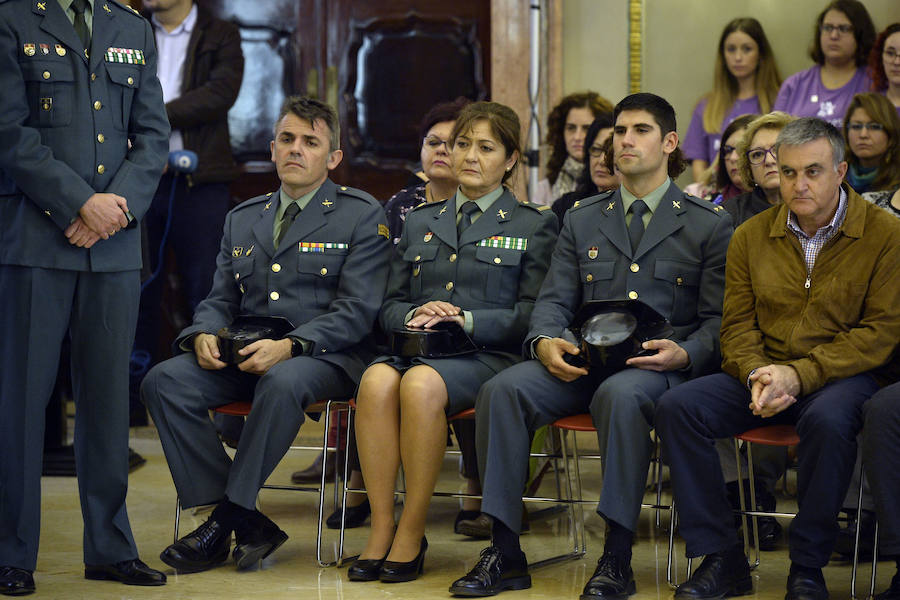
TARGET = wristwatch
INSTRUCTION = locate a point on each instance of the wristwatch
(296, 347)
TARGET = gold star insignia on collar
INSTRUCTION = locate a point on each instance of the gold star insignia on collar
(327, 202)
(501, 213)
(676, 204)
(442, 211)
(42, 5)
(268, 204)
(610, 206)
(106, 8)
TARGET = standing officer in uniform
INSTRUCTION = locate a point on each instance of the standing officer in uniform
(84, 136)
(677, 266)
(325, 270)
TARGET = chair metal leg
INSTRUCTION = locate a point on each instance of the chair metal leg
(177, 516)
(321, 520)
(753, 516)
(670, 559)
(854, 571)
(745, 518)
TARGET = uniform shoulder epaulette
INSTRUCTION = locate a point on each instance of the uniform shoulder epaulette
(269, 197)
(357, 193)
(591, 200)
(127, 8)
(706, 204)
(437, 203)
(537, 207)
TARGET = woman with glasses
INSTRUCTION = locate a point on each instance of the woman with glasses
(872, 134)
(745, 80)
(884, 64)
(843, 36)
(723, 181)
(475, 261)
(758, 167)
(595, 175)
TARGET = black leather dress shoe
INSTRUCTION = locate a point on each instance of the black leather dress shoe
(492, 575)
(893, 592)
(15, 581)
(366, 569)
(356, 516)
(256, 538)
(313, 473)
(395, 572)
(846, 537)
(803, 586)
(129, 572)
(613, 578)
(718, 576)
(204, 548)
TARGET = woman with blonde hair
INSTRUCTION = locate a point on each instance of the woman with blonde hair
(745, 80)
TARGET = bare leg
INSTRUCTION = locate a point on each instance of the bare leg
(423, 436)
(378, 439)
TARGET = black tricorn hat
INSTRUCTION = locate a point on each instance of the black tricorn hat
(445, 339)
(246, 329)
(610, 332)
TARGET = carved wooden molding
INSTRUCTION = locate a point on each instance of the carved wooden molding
(635, 44)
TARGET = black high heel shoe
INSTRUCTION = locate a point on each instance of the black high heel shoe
(395, 572)
(366, 569)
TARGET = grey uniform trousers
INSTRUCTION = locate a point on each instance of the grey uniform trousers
(524, 397)
(179, 394)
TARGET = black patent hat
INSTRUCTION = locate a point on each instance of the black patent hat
(245, 330)
(610, 332)
(444, 340)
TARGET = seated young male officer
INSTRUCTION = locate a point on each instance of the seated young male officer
(810, 323)
(646, 240)
(313, 252)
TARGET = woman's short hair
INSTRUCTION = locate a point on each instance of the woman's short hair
(604, 121)
(881, 111)
(863, 30)
(504, 124)
(556, 125)
(773, 120)
(441, 113)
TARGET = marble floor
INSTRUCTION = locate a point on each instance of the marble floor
(292, 571)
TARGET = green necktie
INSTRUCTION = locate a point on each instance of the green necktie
(636, 227)
(81, 28)
(290, 213)
(465, 219)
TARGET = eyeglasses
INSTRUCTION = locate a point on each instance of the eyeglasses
(890, 56)
(596, 151)
(842, 29)
(433, 142)
(726, 150)
(757, 156)
(860, 126)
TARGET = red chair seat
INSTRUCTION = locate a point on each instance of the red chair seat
(771, 435)
(242, 408)
(580, 422)
(469, 413)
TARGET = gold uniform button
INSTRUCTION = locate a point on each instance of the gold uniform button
(237, 275)
(343, 188)
(97, 105)
(418, 257)
(276, 267)
(589, 277)
(101, 138)
(679, 281)
(101, 169)
(131, 81)
(324, 271)
(449, 286)
(274, 296)
(634, 267)
(452, 258)
(632, 294)
(497, 260)
(93, 76)
(46, 74)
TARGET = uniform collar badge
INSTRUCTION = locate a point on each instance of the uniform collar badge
(501, 213)
(106, 8)
(42, 5)
(326, 202)
(442, 211)
(610, 206)
(676, 204)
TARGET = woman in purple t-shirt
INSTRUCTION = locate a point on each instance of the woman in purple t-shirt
(843, 36)
(884, 64)
(745, 80)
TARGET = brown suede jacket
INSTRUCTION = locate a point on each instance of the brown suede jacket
(846, 322)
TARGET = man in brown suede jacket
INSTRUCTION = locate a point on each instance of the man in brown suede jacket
(810, 327)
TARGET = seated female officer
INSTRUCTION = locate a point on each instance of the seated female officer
(476, 260)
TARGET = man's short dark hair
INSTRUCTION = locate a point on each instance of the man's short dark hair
(809, 129)
(312, 110)
(657, 106)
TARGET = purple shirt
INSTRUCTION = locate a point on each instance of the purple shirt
(698, 143)
(803, 95)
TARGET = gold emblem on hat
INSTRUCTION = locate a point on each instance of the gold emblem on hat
(428, 237)
(610, 206)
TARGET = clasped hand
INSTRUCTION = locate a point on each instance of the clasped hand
(774, 388)
(261, 355)
(434, 312)
(102, 216)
